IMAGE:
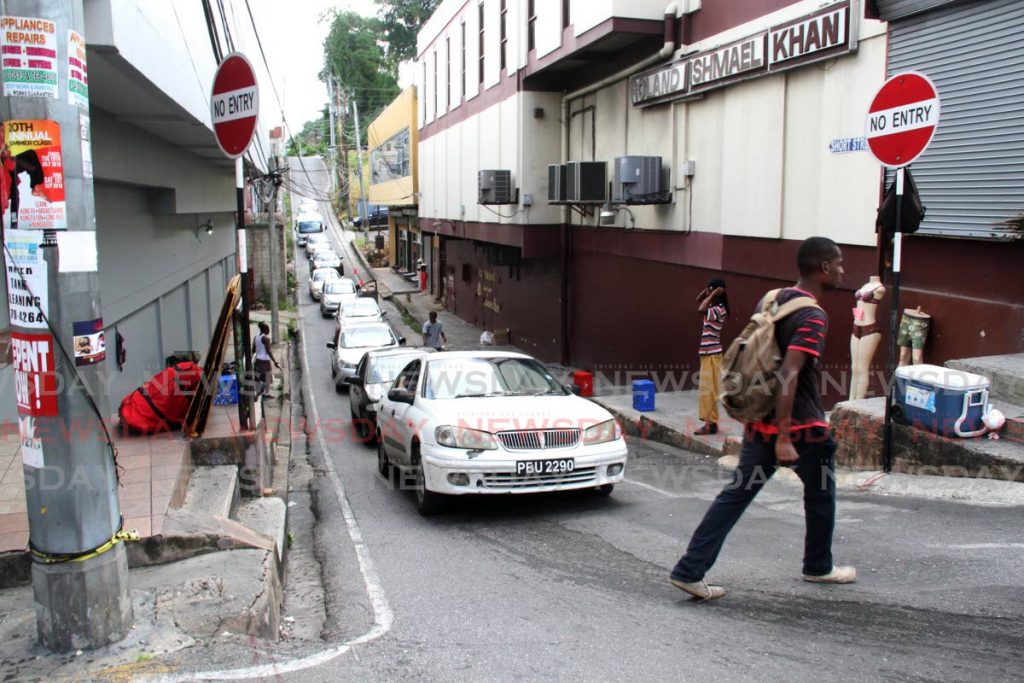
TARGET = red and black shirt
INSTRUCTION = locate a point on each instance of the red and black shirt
(803, 331)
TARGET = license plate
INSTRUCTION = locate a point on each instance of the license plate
(559, 466)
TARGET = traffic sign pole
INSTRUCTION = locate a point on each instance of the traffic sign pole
(897, 257)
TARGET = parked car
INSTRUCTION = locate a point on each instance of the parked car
(359, 310)
(335, 293)
(478, 422)
(305, 225)
(376, 217)
(315, 242)
(374, 374)
(350, 344)
(317, 280)
(326, 258)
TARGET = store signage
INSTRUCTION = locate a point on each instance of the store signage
(826, 33)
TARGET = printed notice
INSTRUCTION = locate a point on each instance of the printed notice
(37, 188)
(78, 73)
(26, 279)
(90, 346)
(29, 49)
(35, 379)
(31, 444)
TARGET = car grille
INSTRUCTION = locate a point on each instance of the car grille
(536, 440)
(510, 480)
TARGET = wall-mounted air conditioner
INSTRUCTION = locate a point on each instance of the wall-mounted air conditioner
(638, 180)
(586, 181)
(495, 187)
(556, 183)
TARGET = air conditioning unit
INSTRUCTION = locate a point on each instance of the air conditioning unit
(556, 183)
(586, 181)
(638, 181)
(495, 187)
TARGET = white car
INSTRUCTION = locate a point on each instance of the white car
(326, 258)
(350, 344)
(359, 310)
(335, 293)
(307, 205)
(307, 225)
(492, 422)
(317, 280)
(374, 375)
(316, 242)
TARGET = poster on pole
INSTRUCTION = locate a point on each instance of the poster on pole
(35, 377)
(31, 149)
(29, 47)
(78, 72)
(27, 296)
(31, 444)
(89, 342)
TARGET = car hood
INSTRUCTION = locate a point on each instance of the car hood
(499, 414)
(337, 298)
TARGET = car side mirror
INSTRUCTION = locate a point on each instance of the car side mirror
(383, 313)
(575, 389)
(401, 341)
(401, 396)
(354, 379)
(332, 345)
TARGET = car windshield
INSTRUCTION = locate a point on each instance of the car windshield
(325, 256)
(325, 274)
(362, 337)
(385, 369)
(360, 308)
(307, 227)
(340, 286)
(486, 377)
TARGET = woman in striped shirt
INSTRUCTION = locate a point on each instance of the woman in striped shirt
(714, 306)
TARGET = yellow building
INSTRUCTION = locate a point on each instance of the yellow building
(393, 141)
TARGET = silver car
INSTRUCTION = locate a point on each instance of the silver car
(319, 278)
(316, 242)
(359, 310)
(335, 293)
(326, 258)
(350, 344)
(374, 375)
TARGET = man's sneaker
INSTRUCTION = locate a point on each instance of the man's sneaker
(837, 575)
(699, 589)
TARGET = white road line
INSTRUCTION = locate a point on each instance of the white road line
(383, 617)
(976, 546)
(667, 494)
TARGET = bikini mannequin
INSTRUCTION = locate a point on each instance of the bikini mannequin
(913, 334)
(866, 335)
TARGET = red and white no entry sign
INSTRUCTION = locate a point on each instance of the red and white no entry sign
(902, 119)
(234, 104)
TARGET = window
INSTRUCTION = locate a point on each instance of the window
(503, 33)
(481, 43)
(448, 72)
(462, 45)
(423, 95)
(565, 14)
(531, 24)
(437, 112)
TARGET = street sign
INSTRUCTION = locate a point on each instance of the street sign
(902, 119)
(234, 104)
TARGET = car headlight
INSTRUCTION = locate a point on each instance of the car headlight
(460, 437)
(602, 433)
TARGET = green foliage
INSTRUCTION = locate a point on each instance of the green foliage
(313, 139)
(401, 20)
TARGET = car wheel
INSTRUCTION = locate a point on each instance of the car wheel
(427, 502)
(339, 386)
(334, 370)
(603, 491)
(359, 426)
(383, 464)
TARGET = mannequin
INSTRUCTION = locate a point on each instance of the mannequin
(913, 334)
(866, 335)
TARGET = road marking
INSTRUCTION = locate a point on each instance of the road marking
(667, 494)
(383, 616)
(976, 546)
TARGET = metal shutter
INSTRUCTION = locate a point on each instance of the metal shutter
(889, 10)
(971, 178)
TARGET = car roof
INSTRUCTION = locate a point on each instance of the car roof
(360, 324)
(309, 217)
(325, 271)
(479, 354)
(401, 351)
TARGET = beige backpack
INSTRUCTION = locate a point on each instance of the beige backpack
(750, 367)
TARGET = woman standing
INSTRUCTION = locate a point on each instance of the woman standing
(714, 306)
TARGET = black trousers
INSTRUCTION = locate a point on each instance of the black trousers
(816, 469)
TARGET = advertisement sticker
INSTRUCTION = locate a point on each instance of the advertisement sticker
(29, 48)
(27, 295)
(90, 345)
(35, 381)
(78, 73)
(30, 149)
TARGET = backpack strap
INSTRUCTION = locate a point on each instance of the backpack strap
(769, 300)
(793, 306)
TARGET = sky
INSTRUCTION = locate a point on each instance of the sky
(293, 37)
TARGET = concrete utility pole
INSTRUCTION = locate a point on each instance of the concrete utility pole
(275, 319)
(79, 570)
(343, 188)
(359, 169)
(333, 149)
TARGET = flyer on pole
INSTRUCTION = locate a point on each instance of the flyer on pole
(29, 47)
(31, 152)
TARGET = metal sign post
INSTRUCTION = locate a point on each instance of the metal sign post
(894, 322)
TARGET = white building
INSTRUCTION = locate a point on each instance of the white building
(521, 85)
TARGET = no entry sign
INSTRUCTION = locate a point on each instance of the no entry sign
(234, 104)
(902, 119)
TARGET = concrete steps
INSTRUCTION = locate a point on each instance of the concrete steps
(1005, 372)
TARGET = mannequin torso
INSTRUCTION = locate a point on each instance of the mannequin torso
(867, 298)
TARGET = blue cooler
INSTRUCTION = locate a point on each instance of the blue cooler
(227, 391)
(643, 395)
(943, 401)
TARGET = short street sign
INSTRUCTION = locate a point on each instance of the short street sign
(902, 119)
(234, 104)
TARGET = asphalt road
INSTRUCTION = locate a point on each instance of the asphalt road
(575, 587)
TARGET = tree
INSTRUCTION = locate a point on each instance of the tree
(312, 139)
(354, 55)
(401, 20)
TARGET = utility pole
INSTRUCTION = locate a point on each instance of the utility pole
(333, 149)
(79, 569)
(343, 187)
(275, 319)
(359, 167)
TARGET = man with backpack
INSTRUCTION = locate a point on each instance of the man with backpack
(772, 383)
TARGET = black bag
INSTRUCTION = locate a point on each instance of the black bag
(913, 210)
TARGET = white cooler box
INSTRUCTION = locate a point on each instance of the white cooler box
(943, 401)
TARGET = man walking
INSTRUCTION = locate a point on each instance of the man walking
(433, 333)
(794, 434)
